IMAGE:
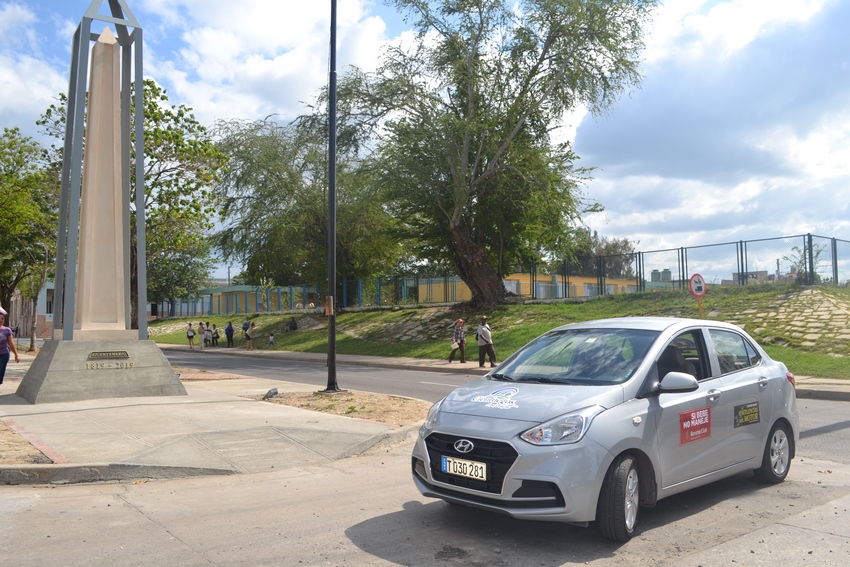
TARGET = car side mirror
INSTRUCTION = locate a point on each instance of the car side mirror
(678, 382)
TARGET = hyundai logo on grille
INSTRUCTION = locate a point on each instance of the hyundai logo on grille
(464, 446)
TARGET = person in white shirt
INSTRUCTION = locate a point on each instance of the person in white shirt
(485, 344)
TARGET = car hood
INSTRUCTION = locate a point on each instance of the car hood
(527, 401)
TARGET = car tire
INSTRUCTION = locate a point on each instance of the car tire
(617, 510)
(776, 461)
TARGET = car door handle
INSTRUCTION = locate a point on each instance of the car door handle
(713, 395)
(763, 382)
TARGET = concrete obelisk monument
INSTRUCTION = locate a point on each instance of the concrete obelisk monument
(94, 352)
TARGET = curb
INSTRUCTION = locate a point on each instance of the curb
(69, 473)
(814, 393)
(427, 365)
(386, 440)
(74, 473)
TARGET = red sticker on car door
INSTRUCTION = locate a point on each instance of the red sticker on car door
(694, 425)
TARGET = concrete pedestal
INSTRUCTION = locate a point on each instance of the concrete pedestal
(76, 370)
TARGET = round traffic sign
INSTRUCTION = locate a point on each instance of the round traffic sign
(697, 285)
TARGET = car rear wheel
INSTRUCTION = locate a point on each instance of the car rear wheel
(776, 460)
(617, 511)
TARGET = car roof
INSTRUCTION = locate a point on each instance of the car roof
(646, 323)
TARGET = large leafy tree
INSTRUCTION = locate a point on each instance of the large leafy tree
(181, 166)
(275, 201)
(28, 211)
(467, 157)
(179, 272)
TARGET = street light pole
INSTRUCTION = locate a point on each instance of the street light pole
(329, 305)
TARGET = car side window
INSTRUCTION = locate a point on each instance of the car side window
(733, 351)
(685, 354)
(755, 357)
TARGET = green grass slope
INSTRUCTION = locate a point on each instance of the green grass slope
(808, 329)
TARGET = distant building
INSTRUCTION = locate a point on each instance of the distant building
(748, 277)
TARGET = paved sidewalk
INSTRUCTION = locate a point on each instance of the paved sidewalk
(216, 428)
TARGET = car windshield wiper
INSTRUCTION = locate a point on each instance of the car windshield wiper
(503, 377)
(566, 381)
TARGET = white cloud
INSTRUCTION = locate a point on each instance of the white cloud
(28, 82)
(692, 28)
(15, 22)
(820, 154)
(740, 131)
(266, 57)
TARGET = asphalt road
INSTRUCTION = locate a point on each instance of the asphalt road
(428, 386)
(365, 511)
(823, 424)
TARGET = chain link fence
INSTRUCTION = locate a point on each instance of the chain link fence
(804, 259)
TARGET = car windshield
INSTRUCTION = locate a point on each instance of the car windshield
(581, 356)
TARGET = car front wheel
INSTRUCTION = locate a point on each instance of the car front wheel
(776, 460)
(617, 511)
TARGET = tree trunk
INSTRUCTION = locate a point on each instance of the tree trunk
(477, 272)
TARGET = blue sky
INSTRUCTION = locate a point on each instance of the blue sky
(739, 130)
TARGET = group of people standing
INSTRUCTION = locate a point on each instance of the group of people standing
(208, 335)
(484, 338)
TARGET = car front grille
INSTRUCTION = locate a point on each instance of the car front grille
(499, 457)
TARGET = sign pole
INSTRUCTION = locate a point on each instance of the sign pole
(698, 288)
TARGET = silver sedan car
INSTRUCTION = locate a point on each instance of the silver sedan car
(590, 421)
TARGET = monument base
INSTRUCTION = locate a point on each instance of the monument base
(66, 371)
(99, 335)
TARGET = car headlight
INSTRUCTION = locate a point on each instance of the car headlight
(431, 418)
(569, 428)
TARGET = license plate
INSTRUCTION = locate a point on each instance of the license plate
(468, 469)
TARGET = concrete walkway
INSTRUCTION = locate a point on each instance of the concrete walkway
(216, 429)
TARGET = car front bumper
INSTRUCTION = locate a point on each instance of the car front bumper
(551, 483)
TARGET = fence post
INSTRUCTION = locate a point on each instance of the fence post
(641, 284)
(564, 275)
(810, 249)
(600, 289)
(834, 244)
(739, 252)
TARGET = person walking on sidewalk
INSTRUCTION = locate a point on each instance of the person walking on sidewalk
(485, 344)
(7, 344)
(459, 342)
